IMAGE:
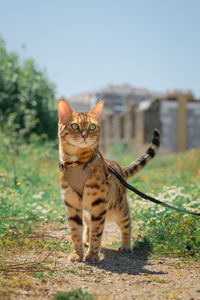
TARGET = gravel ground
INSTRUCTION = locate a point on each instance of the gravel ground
(119, 276)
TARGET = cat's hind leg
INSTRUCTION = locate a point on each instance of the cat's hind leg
(124, 223)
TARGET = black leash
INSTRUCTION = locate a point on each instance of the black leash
(139, 193)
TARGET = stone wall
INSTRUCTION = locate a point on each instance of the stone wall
(134, 126)
(193, 125)
(178, 121)
(168, 116)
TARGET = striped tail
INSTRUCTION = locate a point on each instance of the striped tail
(137, 165)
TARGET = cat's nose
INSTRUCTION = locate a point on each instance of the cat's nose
(84, 135)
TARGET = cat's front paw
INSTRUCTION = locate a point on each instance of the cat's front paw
(124, 249)
(75, 257)
(91, 257)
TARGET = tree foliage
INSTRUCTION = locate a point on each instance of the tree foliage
(27, 97)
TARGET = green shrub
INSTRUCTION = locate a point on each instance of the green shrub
(27, 97)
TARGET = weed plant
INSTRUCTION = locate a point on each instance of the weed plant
(173, 179)
(30, 195)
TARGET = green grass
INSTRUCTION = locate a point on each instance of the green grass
(73, 295)
(29, 187)
(174, 179)
(29, 196)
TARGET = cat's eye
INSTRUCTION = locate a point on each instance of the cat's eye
(92, 127)
(74, 126)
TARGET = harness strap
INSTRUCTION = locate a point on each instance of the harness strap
(76, 173)
(105, 166)
(142, 195)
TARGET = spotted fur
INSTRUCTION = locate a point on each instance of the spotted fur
(102, 199)
(137, 165)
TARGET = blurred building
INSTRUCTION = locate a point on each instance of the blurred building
(130, 115)
(80, 102)
(178, 120)
(115, 98)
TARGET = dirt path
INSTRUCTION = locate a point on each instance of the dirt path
(117, 276)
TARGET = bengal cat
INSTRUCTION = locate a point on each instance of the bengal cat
(90, 192)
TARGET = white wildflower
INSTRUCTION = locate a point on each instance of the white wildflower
(161, 209)
(39, 207)
(39, 195)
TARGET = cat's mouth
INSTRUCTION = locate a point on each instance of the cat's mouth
(82, 143)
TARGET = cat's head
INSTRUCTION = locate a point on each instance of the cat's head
(79, 130)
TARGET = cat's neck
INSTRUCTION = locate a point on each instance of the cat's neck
(71, 154)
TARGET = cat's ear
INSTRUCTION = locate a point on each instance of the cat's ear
(97, 109)
(64, 111)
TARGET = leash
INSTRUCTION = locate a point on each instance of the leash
(146, 197)
(128, 186)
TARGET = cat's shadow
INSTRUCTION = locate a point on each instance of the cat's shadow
(126, 263)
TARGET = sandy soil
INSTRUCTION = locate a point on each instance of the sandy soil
(117, 275)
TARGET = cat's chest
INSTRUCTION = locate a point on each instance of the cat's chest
(67, 157)
(73, 158)
(75, 155)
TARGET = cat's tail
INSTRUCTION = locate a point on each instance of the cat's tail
(130, 170)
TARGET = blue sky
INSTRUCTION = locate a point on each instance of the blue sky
(88, 44)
